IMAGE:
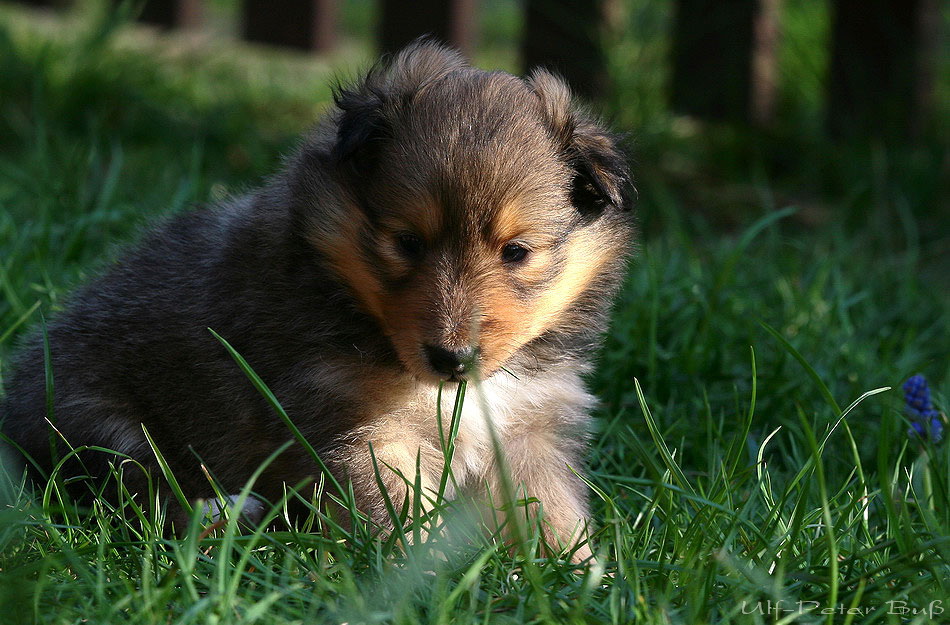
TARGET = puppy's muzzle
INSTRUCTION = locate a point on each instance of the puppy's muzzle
(451, 363)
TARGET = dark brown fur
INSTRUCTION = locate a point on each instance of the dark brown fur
(389, 237)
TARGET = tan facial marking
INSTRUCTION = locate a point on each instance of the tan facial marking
(428, 219)
(517, 222)
(504, 332)
(509, 222)
(423, 218)
(585, 261)
(535, 266)
(514, 323)
(343, 249)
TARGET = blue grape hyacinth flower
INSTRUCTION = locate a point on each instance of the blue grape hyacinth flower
(925, 421)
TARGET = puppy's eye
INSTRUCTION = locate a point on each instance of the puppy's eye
(410, 245)
(514, 253)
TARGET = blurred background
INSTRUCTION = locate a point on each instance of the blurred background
(819, 100)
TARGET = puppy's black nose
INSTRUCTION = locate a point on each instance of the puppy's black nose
(450, 362)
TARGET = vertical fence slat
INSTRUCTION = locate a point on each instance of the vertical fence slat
(324, 25)
(764, 71)
(712, 58)
(304, 24)
(172, 13)
(565, 36)
(449, 21)
(875, 86)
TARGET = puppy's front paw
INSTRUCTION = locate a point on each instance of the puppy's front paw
(251, 512)
(582, 554)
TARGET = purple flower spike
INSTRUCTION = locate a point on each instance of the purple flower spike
(917, 395)
(936, 429)
(925, 420)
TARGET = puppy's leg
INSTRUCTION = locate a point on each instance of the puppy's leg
(400, 456)
(540, 462)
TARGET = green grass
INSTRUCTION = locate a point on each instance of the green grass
(747, 457)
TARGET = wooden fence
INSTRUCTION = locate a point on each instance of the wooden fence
(880, 79)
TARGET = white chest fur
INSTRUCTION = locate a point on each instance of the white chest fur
(508, 408)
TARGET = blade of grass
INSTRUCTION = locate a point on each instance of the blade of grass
(448, 443)
(168, 474)
(833, 580)
(275, 404)
(18, 322)
(804, 363)
(665, 454)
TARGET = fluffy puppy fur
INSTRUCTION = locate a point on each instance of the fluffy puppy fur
(441, 223)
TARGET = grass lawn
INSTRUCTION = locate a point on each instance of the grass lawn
(753, 462)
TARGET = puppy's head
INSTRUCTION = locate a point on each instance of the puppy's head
(474, 213)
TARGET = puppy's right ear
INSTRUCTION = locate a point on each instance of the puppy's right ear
(370, 108)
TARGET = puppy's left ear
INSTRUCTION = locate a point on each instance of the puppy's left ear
(601, 172)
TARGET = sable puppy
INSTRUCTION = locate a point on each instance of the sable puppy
(441, 223)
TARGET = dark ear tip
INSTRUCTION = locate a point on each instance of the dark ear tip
(630, 196)
(601, 169)
(362, 106)
(626, 194)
